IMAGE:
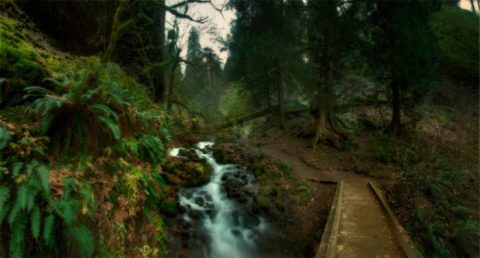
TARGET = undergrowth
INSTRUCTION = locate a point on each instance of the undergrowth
(81, 155)
(434, 195)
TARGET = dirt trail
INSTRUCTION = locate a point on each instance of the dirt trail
(364, 231)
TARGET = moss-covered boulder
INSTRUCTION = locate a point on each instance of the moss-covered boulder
(186, 172)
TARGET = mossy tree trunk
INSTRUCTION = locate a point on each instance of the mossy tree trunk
(137, 42)
(326, 126)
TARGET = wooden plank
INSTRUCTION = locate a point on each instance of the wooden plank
(400, 233)
(328, 244)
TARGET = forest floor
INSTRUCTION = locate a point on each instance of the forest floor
(364, 230)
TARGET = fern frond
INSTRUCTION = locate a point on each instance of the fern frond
(48, 230)
(83, 241)
(31, 166)
(22, 196)
(43, 174)
(113, 125)
(17, 167)
(16, 243)
(4, 212)
(31, 197)
(16, 208)
(35, 222)
(4, 195)
(4, 137)
(65, 207)
(105, 109)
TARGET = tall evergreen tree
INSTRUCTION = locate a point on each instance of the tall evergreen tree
(200, 88)
(262, 49)
(404, 46)
(332, 29)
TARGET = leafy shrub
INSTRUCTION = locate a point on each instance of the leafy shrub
(457, 32)
(81, 118)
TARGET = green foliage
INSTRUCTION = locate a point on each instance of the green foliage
(151, 149)
(236, 103)
(436, 197)
(26, 199)
(94, 108)
(457, 32)
(82, 239)
(201, 85)
(286, 168)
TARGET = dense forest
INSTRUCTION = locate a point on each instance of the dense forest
(304, 128)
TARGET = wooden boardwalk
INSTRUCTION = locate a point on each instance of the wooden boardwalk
(363, 228)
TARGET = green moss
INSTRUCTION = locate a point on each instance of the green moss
(20, 65)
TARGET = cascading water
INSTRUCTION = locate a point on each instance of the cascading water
(224, 229)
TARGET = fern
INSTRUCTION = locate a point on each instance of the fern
(22, 196)
(68, 212)
(82, 240)
(31, 199)
(4, 195)
(112, 125)
(31, 166)
(17, 237)
(43, 174)
(17, 167)
(35, 222)
(16, 208)
(4, 212)
(4, 137)
(151, 149)
(48, 237)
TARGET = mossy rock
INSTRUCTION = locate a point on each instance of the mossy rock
(199, 173)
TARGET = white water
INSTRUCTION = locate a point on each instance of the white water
(230, 235)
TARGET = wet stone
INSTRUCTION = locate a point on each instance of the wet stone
(236, 232)
(200, 201)
(195, 214)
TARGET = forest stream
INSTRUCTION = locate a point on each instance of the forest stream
(217, 219)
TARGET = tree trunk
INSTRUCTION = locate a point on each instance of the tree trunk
(395, 123)
(139, 50)
(281, 97)
(472, 3)
(269, 100)
(169, 93)
(156, 55)
(326, 127)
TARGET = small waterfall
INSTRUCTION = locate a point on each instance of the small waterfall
(223, 228)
